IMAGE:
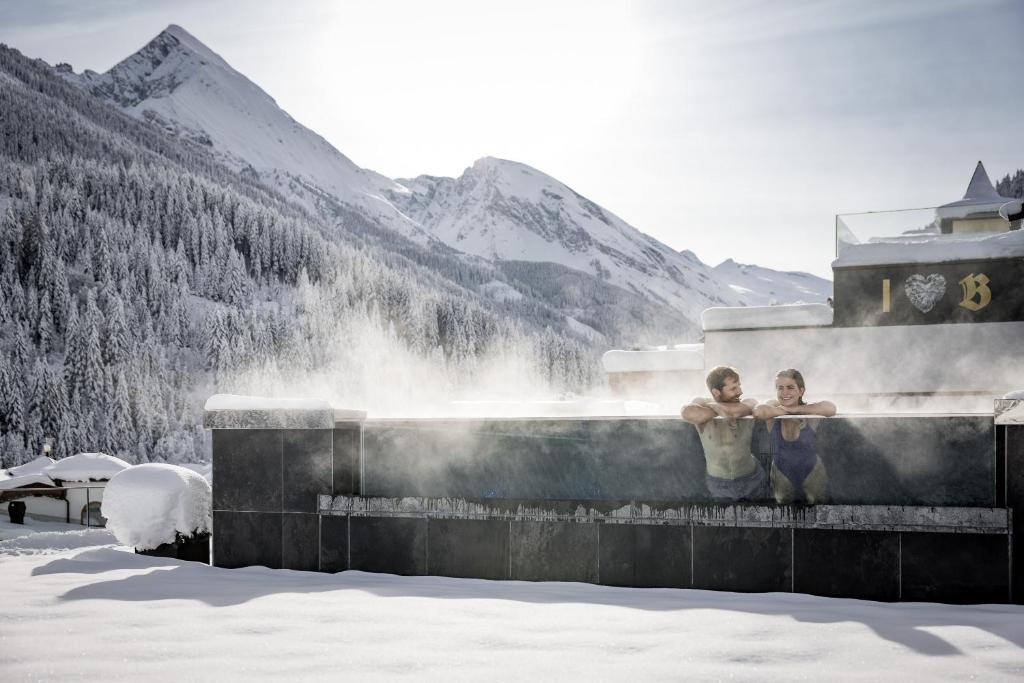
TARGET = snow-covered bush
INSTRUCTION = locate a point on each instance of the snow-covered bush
(152, 504)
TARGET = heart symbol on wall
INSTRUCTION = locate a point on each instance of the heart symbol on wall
(925, 292)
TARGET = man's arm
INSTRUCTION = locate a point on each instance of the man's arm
(697, 412)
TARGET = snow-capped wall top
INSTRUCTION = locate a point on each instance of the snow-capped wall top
(760, 317)
(239, 402)
(148, 505)
(85, 467)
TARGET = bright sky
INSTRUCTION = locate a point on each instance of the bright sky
(734, 129)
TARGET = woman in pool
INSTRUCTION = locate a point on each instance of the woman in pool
(797, 471)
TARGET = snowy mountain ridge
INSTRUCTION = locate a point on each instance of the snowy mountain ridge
(505, 211)
(760, 286)
(177, 83)
(498, 210)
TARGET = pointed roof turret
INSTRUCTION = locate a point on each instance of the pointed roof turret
(980, 186)
(980, 191)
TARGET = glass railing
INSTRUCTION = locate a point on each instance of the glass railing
(929, 225)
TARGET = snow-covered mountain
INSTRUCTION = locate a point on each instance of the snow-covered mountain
(177, 83)
(508, 211)
(763, 286)
(499, 210)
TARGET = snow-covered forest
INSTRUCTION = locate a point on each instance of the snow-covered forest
(137, 276)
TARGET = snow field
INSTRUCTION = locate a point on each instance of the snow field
(114, 615)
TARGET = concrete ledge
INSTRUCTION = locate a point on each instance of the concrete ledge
(277, 418)
(966, 520)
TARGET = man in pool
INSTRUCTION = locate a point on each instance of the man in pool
(733, 474)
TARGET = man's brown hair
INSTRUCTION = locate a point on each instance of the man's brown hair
(717, 376)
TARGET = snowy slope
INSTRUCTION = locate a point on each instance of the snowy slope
(764, 287)
(505, 210)
(179, 84)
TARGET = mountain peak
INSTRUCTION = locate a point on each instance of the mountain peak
(188, 41)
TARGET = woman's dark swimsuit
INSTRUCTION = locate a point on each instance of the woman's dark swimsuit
(795, 459)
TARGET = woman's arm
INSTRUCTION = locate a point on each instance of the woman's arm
(823, 408)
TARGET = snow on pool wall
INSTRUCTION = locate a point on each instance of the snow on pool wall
(544, 500)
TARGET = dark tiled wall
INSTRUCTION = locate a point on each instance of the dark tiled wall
(921, 460)
(871, 565)
(1011, 443)
(265, 488)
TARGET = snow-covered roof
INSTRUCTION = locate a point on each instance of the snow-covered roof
(679, 357)
(86, 467)
(758, 317)
(32, 467)
(238, 402)
(934, 248)
(148, 505)
(25, 480)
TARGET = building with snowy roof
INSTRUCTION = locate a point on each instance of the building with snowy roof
(68, 490)
(927, 313)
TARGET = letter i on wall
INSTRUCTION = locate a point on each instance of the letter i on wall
(886, 298)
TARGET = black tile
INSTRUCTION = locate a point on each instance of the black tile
(955, 568)
(645, 555)
(617, 550)
(1013, 477)
(847, 564)
(554, 551)
(300, 541)
(751, 560)
(247, 469)
(1013, 440)
(333, 543)
(389, 545)
(346, 459)
(468, 548)
(246, 539)
(307, 468)
(663, 556)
